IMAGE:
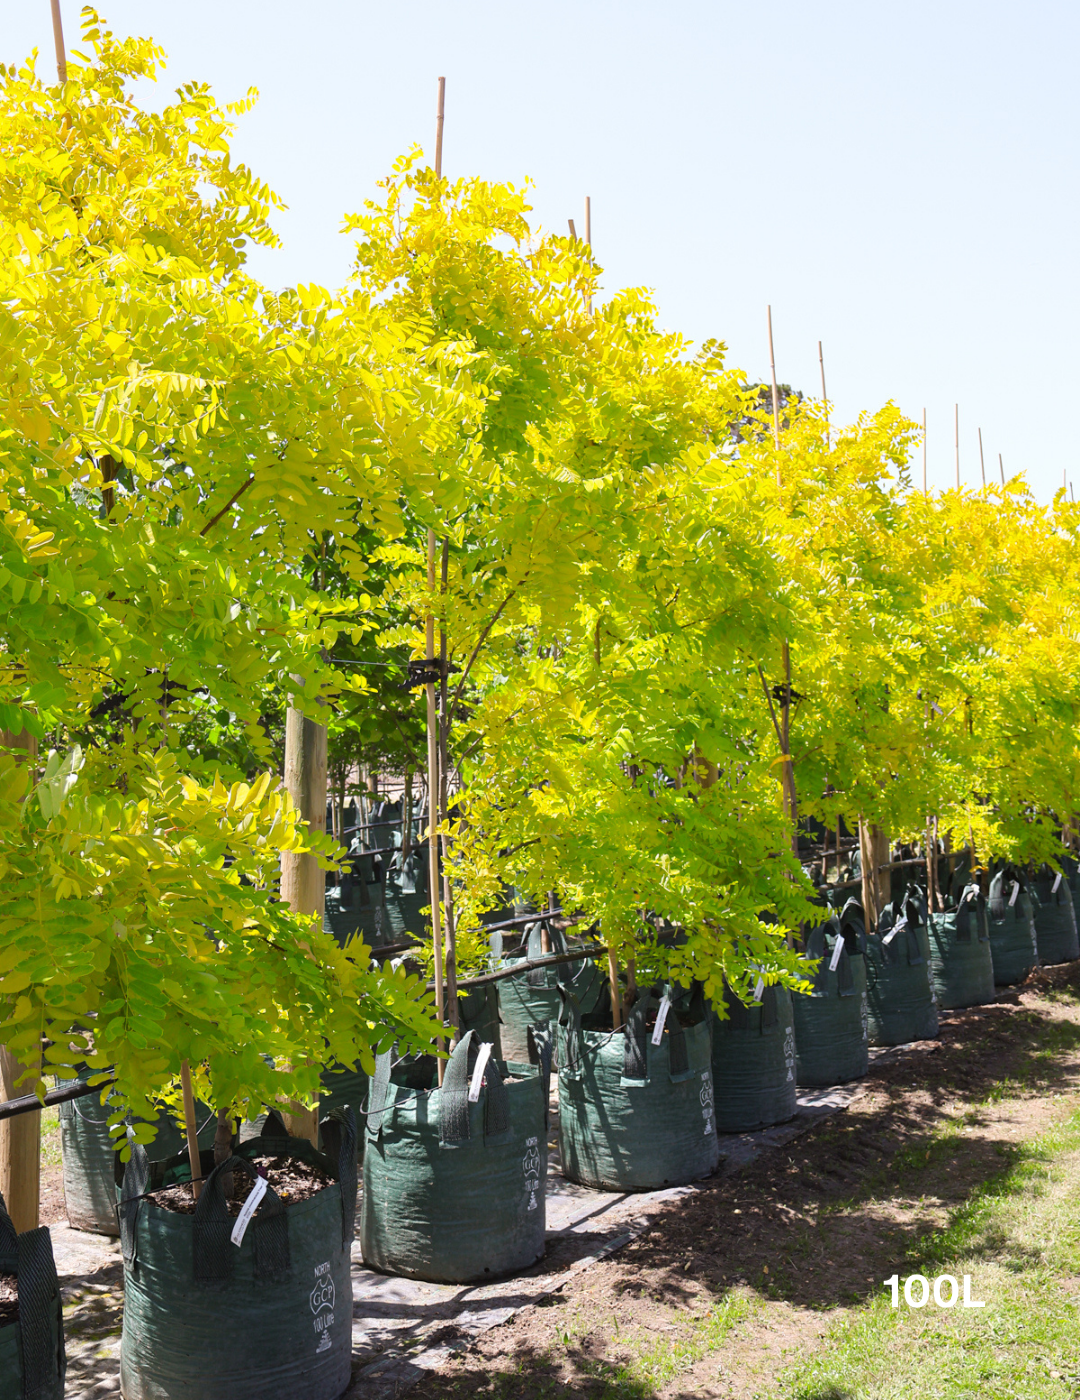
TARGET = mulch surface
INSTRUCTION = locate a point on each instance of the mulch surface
(293, 1181)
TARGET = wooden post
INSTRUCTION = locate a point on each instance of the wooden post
(191, 1129)
(20, 1137)
(61, 56)
(303, 883)
(982, 460)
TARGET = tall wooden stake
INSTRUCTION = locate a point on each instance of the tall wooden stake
(58, 42)
(20, 1137)
(439, 127)
(788, 768)
(824, 395)
(924, 451)
(588, 232)
(433, 799)
(191, 1130)
(982, 460)
(1001, 464)
(303, 883)
(444, 804)
(958, 447)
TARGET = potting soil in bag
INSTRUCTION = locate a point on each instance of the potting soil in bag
(87, 1153)
(1011, 926)
(754, 1062)
(1055, 918)
(32, 1359)
(533, 998)
(207, 1318)
(831, 1045)
(899, 990)
(636, 1109)
(454, 1177)
(961, 965)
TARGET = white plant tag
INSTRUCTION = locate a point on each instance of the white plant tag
(759, 987)
(1057, 882)
(1015, 892)
(661, 1017)
(834, 961)
(250, 1206)
(478, 1073)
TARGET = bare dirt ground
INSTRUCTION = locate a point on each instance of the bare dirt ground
(716, 1297)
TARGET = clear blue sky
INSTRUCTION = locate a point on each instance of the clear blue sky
(898, 180)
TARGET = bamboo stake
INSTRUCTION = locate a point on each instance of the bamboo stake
(573, 230)
(1001, 464)
(616, 999)
(982, 461)
(958, 447)
(775, 397)
(191, 1130)
(588, 235)
(924, 451)
(433, 800)
(824, 395)
(58, 42)
(444, 802)
(438, 126)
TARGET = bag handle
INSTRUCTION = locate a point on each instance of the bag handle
(379, 1090)
(339, 1131)
(454, 1095)
(570, 1024)
(537, 977)
(38, 1289)
(211, 1246)
(538, 1039)
(9, 1240)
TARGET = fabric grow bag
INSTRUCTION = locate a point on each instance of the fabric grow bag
(899, 990)
(454, 1186)
(961, 964)
(1055, 918)
(32, 1359)
(754, 1062)
(634, 1115)
(205, 1320)
(831, 1045)
(1011, 927)
(533, 998)
(86, 1149)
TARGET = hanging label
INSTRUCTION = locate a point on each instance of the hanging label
(661, 1017)
(478, 1073)
(1015, 892)
(834, 961)
(1057, 881)
(759, 987)
(251, 1205)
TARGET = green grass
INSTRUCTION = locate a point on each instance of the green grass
(1018, 1237)
(50, 1136)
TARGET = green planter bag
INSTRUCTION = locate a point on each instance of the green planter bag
(900, 993)
(86, 1148)
(831, 1045)
(478, 1010)
(636, 1109)
(961, 963)
(754, 1062)
(1055, 918)
(1012, 928)
(207, 1320)
(32, 1359)
(454, 1178)
(533, 998)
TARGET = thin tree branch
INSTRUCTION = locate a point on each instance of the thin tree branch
(772, 711)
(481, 641)
(228, 505)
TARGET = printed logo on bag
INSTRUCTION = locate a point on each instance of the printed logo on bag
(789, 1053)
(530, 1164)
(707, 1101)
(323, 1295)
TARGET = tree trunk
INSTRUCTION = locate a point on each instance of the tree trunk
(20, 1137)
(303, 883)
(223, 1150)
